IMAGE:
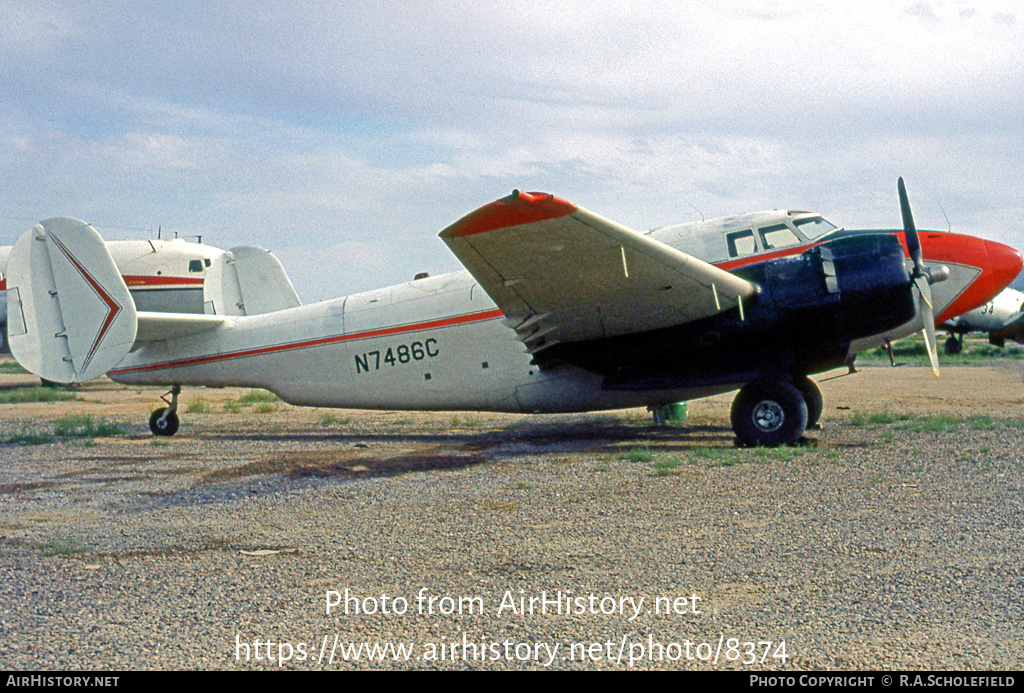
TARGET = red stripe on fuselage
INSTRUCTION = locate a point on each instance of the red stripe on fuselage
(321, 341)
(763, 257)
(143, 281)
(135, 281)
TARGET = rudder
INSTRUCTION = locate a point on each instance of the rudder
(70, 316)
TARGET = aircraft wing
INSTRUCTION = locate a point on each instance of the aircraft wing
(562, 274)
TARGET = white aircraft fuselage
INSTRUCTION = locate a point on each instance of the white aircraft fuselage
(433, 343)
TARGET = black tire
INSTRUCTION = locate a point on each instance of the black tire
(953, 346)
(768, 414)
(812, 396)
(167, 427)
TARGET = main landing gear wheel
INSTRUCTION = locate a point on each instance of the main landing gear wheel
(812, 396)
(769, 413)
(954, 346)
(163, 425)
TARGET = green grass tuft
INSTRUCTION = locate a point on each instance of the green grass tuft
(936, 424)
(666, 466)
(60, 547)
(879, 418)
(982, 422)
(257, 396)
(198, 406)
(641, 453)
(261, 401)
(24, 395)
(85, 426)
(27, 437)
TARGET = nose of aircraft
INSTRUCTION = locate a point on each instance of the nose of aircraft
(998, 264)
(1005, 263)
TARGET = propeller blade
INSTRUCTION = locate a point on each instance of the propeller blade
(924, 307)
(909, 229)
(922, 278)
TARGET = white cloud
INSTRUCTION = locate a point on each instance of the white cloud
(306, 124)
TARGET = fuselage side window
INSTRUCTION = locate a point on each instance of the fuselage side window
(741, 243)
(778, 236)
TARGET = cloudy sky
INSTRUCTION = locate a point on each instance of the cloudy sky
(344, 136)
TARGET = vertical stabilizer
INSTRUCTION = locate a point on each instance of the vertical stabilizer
(248, 281)
(70, 316)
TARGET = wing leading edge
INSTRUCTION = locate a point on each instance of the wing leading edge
(563, 274)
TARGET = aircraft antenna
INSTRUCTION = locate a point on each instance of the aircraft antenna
(949, 226)
(697, 210)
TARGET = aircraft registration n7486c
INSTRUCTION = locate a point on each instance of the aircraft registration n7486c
(561, 310)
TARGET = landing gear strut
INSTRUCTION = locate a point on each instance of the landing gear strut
(769, 413)
(164, 421)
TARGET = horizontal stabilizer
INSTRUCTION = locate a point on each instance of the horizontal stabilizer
(157, 327)
(248, 281)
(70, 316)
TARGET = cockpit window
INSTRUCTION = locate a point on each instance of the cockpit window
(195, 266)
(778, 236)
(813, 227)
(742, 243)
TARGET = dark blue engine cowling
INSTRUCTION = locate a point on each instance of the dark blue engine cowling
(843, 290)
(809, 308)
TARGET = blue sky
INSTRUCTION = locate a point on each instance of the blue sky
(345, 136)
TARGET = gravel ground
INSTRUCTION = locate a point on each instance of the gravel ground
(890, 540)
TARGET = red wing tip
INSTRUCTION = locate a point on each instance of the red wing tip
(516, 209)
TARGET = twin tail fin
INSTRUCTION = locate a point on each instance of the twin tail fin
(70, 315)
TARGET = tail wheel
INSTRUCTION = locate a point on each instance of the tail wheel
(812, 396)
(769, 413)
(162, 425)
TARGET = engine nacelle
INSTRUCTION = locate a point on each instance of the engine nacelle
(809, 309)
(843, 290)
